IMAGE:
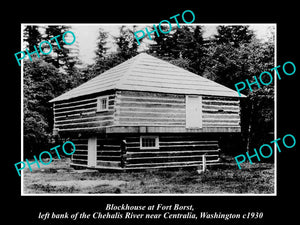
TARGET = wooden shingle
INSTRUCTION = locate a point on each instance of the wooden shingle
(149, 74)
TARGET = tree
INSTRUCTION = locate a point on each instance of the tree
(42, 82)
(101, 42)
(165, 45)
(32, 37)
(181, 45)
(228, 63)
(61, 52)
(234, 35)
(103, 60)
(193, 47)
(127, 45)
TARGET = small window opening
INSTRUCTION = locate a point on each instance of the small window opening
(149, 142)
(102, 104)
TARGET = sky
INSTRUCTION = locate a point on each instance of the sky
(86, 35)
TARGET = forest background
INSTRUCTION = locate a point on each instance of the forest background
(231, 55)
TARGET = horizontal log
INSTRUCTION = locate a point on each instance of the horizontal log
(143, 168)
(170, 153)
(111, 150)
(108, 148)
(189, 138)
(74, 112)
(78, 156)
(80, 145)
(169, 128)
(150, 115)
(141, 94)
(108, 163)
(175, 148)
(71, 108)
(220, 107)
(220, 102)
(115, 144)
(86, 125)
(168, 158)
(85, 114)
(221, 121)
(84, 99)
(81, 139)
(74, 103)
(196, 144)
(85, 120)
(185, 140)
(192, 144)
(109, 158)
(167, 164)
(150, 124)
(149, 100)
(80, 152)
(218, 124)
(152, 105)
(108, 153)
(98, 129)
(187, 147)
(149, 110)
(172, 143)
(111, 139)
(221, 117)
(150, 119)
(108, 145)
(86, 105)
(81, 160)
(79, 112)
(220, 112)
(206, 97)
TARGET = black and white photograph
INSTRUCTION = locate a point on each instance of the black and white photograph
(162, 117)
(150, 113)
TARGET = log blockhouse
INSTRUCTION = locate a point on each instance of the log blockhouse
(146, 113)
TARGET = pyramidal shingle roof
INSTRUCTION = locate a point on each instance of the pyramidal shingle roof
(147, 73)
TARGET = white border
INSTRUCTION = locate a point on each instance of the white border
(22, 109)
(175, 194)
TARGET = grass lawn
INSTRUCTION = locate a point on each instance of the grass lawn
(59, 177)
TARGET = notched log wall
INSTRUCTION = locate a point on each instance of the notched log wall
(149, 109)
(124, 153)
(82, 114)
(174, 151)
(129, 110)
(79, 157)
(219, 114)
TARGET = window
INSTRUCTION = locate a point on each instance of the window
(102, 104)
(149, 142)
